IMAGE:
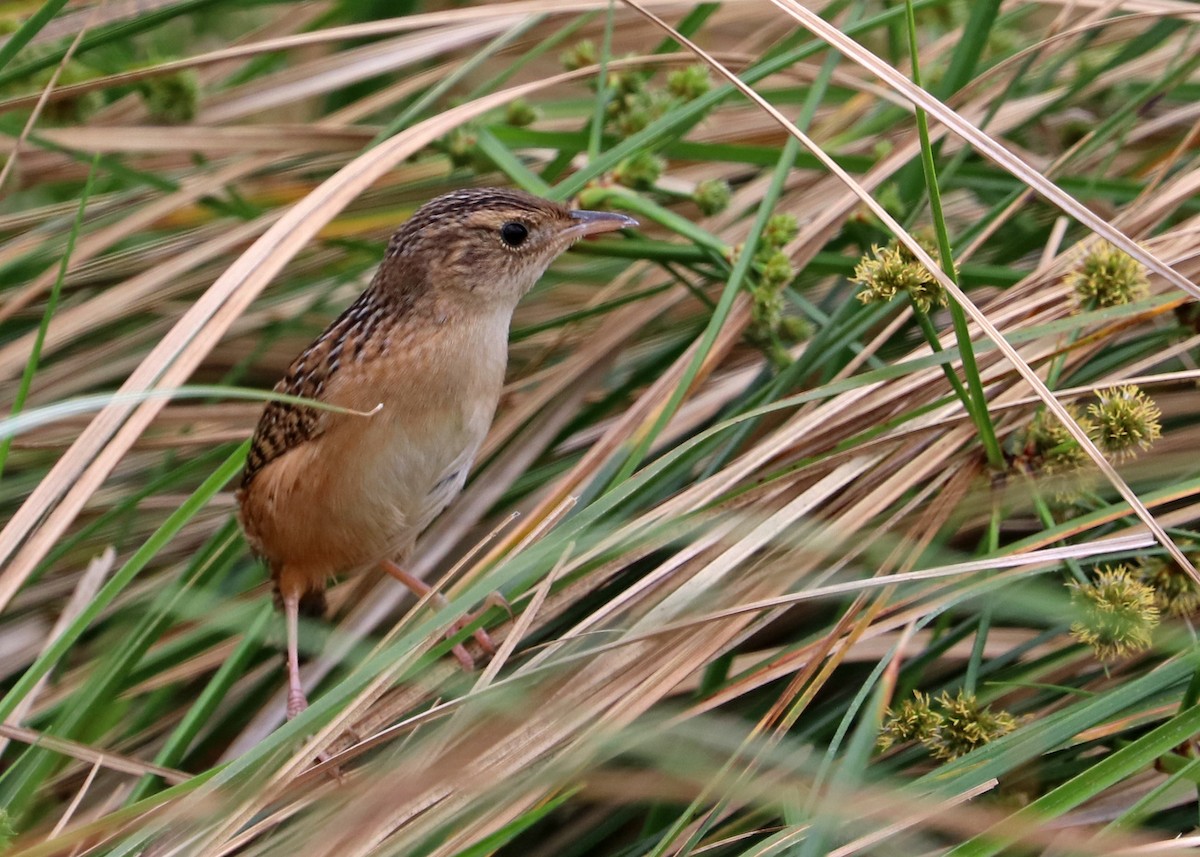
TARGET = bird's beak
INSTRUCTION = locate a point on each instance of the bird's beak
(595, 222)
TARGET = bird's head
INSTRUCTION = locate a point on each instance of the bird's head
(487, 245)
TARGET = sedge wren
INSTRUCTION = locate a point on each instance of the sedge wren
(415, 367)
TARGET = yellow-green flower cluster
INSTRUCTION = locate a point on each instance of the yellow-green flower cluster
(639, 171)
(1059, 457)
(462, 148)
(172, 98)
(1121, 422)
(1059, 451)
(966, 725)
(948, 727)
(633, 104)
(578, 55)
(712, 196)
(1124, 421)
(520, 113)
(1116, 613)
(778, 231)
(912, 720)
(1107, 277)
(767, 293)
(775, 271)
(1175, 593)
(688, 84)
(461, 145)
(889, 271)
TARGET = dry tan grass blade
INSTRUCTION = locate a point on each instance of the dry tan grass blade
(212, 140)
(86, 752)
(75, 321)
(325, 74)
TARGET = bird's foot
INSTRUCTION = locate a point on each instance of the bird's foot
(493, 599)
(482, 637)
(296, 703)
(422, 589)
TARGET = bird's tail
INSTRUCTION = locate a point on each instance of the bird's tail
(313, 603)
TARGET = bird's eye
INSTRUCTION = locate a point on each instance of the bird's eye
(513, 234)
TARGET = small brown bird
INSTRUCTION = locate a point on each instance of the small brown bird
(422, 351)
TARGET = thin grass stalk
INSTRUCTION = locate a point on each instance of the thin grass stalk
(603, 87)
(978, 407)
(31, 364)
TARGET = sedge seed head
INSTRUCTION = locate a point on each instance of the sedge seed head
(520, 113)
(766, 306)
(966, 725)
(766, 299)
(1059, 451)
(887, 271)
(1107, 277)
(639, 171)
(579, 55)
(912, 720)
(626, 82)
(1124, 421)
(1117, 613)
(631, 111)
(173, 98)
(777, 270)
(1175, 593)
(712, 196)
(795, 328)
(779, 230)
(1060, 459)
(689, 83)
(462, 148)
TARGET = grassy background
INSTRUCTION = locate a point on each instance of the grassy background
(755, 511)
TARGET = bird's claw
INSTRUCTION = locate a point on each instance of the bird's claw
(422, 589)
(482, 637)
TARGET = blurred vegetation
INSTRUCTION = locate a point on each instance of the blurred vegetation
(805, 561)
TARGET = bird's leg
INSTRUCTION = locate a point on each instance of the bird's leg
(420, 588)
(296, 701)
